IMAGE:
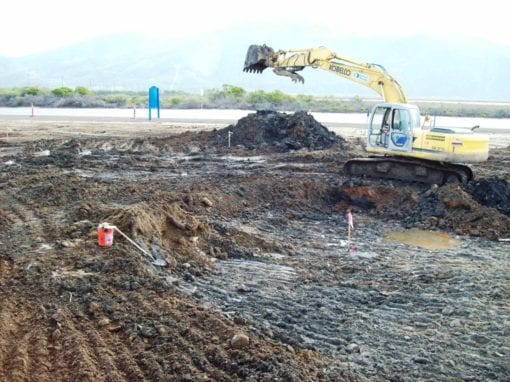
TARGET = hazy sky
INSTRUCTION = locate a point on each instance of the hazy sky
(31, 26)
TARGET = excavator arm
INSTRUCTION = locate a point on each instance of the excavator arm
(287, 63)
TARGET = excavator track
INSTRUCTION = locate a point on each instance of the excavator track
(409, 170)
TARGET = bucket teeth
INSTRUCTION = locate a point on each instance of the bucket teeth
(253, 69)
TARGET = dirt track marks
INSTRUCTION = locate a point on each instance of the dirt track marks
(23, 345)
(384, 309)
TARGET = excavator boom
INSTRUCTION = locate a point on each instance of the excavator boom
(287, 63)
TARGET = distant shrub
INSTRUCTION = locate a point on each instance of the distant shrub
(175, 100)
(118, 100)
(255, 97)
(278, 97)
(82, 90)
(31, 90)
(190, 102)
(171, 102)
(79, 101)
(62, 91)
(501, 113)
(139, 100)
(305, 99)
(10, 92)
(229, 92)
(234, 91)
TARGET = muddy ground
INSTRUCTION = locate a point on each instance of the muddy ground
(258, 283)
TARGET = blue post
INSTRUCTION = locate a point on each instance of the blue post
(153, 100)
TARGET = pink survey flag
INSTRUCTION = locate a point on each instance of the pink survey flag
(349, 219)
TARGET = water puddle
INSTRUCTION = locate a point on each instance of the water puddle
(423, 239)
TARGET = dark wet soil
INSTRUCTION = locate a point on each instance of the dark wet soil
(266, 130)
(258, 283)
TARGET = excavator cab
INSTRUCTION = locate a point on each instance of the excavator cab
(391, 126)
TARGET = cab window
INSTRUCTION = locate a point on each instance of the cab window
(401, 120)
(381, 118)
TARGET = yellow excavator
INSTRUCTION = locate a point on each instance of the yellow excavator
(408, 149)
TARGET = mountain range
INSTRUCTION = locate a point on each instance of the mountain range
(427, 67)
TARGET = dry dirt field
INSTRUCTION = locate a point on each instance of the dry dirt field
(253, 281)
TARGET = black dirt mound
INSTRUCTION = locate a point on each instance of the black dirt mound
(284, 132)
(493, 193)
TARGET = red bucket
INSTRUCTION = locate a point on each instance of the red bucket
(105, 235)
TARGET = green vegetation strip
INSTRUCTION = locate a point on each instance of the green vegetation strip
(227, 97)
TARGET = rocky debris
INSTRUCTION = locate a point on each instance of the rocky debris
(239, 341)
(206, 202)
(282, 132)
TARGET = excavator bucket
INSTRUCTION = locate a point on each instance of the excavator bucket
(257, 58)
